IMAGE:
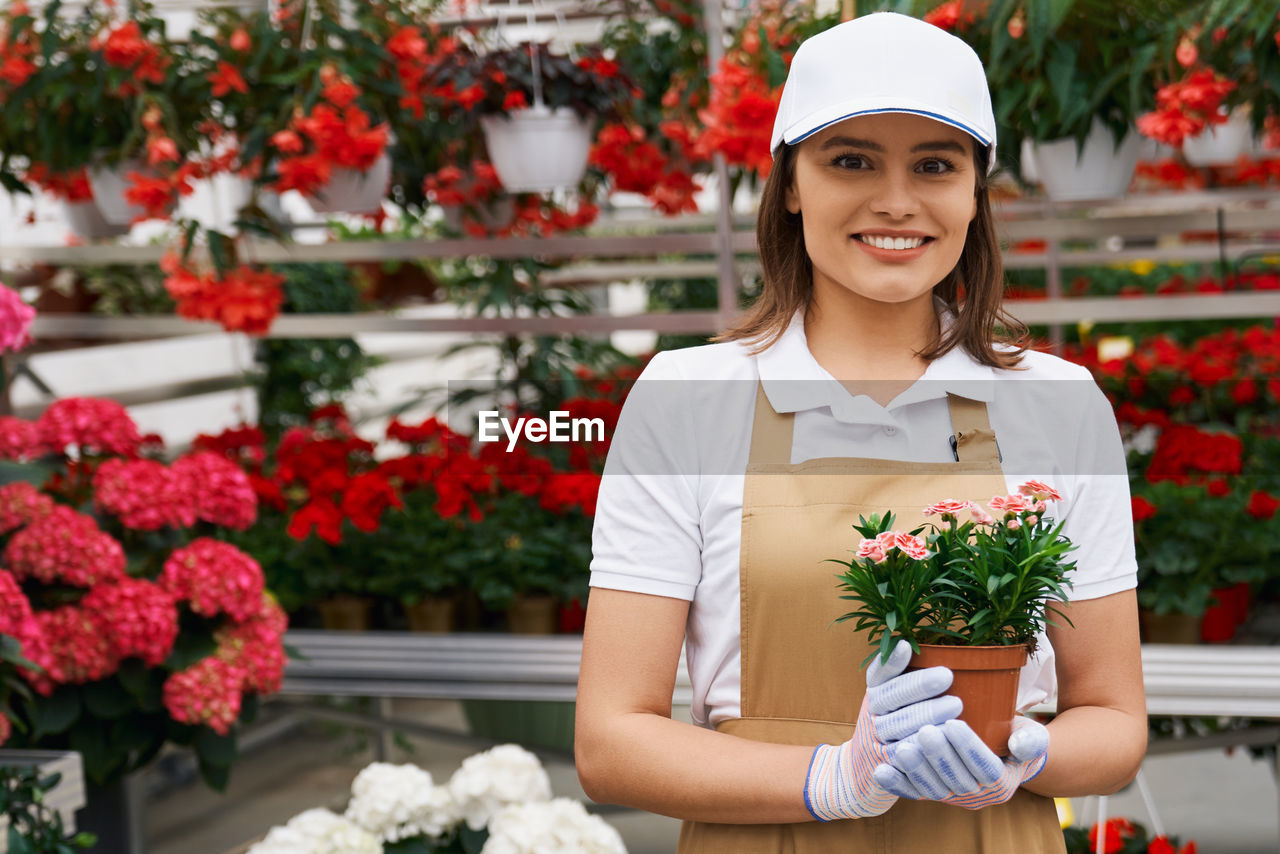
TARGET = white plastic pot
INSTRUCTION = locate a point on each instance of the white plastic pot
(1219, 145)
(109, 185)
(215, 202)
(1098, 171)
(1030, 173)
(87, 222)
(353, 191)
(537, 148)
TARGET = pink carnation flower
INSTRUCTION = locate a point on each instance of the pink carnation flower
(20, 440)
(20, 504)
(79, 648)
(221, 490)
(142, 618)
(215, 578)
(982, 517)
(65, 547)
(256, 646)
(1039, 490)
(144, 495)
(872, 548)
(1010, 504)
(89, 423)
(949, 507)
(913, 546)
(15, 320)
(208, 692)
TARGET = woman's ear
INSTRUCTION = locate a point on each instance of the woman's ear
(793, 199)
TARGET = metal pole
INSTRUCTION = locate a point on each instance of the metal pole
(1053, 267)
(729, 283)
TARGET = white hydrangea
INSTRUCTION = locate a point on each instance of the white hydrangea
(329, 833)
(487, 782)
(562, 826)
(400, 802)
(283, 840)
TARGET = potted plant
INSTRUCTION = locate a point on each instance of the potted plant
(107, 98)
(1072, 79)
(34, 814)
(971, 595)
(537, 109)
(147, 626)
(1219, 72)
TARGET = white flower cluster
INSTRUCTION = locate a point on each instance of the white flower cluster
(505, 775)
(562, 826)
(400, 802)
(504, 789)
(318, 831)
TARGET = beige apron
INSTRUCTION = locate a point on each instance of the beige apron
(802, 678)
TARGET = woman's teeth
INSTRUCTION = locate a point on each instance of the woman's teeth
(890, 242)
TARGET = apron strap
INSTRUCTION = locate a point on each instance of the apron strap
(974, 440)
(770, 433)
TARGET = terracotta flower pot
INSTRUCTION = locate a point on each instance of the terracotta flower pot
(986, 681)
(1169, 628)
(533, 615)
(433, 614)
(345, 613)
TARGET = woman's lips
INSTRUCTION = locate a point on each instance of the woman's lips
(893, 255)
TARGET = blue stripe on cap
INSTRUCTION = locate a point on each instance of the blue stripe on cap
(944, 119)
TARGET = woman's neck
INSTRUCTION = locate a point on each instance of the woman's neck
(871, 347)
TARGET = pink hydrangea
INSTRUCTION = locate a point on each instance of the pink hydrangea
(1040, 491)
(256, 646)
(66, 547)
(144, 495)
(142, 618)
(1008, 505)
(20, 504)
(215, 578)
(18, 621)
(15, 320)
(20, 439)
(90, 424)
(208, 692)
(78, 649)
(221, 490)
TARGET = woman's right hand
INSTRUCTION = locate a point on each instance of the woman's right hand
(840, 783)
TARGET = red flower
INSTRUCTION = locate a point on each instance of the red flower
(366, 497)
(1218, 488)
(1116, 832)
(155, 195)
(214, 578)
(1262, 505)
(227, 78)
(1142, 508)
(320, 514)
(950, 15)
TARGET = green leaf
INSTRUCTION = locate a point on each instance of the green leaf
(107, 698)
(216, 749)
(57, 712)
(216, 777)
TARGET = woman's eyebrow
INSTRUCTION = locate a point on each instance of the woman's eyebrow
(854, 142)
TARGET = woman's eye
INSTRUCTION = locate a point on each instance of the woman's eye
(938, 166)
(844, 159)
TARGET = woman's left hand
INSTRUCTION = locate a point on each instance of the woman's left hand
(949, 763)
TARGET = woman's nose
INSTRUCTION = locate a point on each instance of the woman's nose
(894, 195)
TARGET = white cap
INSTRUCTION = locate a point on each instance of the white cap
(884, 63)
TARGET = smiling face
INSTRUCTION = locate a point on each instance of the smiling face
(885, 201)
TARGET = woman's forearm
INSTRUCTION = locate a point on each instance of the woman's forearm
(1092, 751)
(684, 771)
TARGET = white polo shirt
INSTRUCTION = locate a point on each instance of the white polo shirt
(669, 515)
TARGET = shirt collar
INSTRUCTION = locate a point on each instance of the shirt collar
(794, 381)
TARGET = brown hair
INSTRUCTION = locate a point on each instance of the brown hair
(788, 276)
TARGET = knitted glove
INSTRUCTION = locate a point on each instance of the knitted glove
(840, 782)
(951, 764)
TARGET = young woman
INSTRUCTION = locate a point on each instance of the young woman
(860, 382)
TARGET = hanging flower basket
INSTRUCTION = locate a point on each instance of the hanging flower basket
(353, 191)
(215, 202)
(1098, 171)
(109, 184)
(1219, 145)
(87, 222)
(538, 148)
